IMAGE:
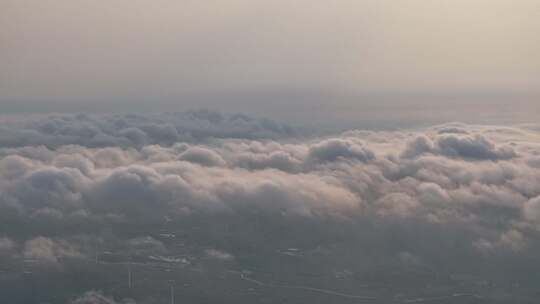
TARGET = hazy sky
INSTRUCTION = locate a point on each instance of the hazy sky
(386, 151)
(129, 55)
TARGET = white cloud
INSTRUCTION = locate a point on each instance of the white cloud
(469, 183)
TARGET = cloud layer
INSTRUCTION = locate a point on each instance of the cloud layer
(134, 130)
(456, 192)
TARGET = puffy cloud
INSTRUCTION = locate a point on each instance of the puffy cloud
(452, 130)
(420, 145)
(331, 176)
(473, 147)
(75, 161)
(334, 148)
(396, 204)
(258, 155)
(202, 156)
(407, 197)
(135, 130)
(49, 251)
(468, 147)
(432, 194)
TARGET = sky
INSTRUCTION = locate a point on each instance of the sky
(279, 58)
(285, 151)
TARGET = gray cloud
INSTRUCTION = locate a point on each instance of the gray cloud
(460, 146)
(202, 156)
(135, 130)
(477, 147)
(330, 175)
(332, 149)
(474, 195)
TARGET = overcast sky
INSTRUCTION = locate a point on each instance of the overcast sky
(269, 57)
